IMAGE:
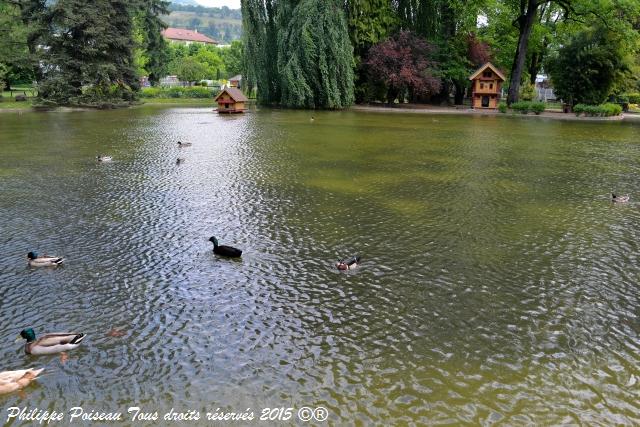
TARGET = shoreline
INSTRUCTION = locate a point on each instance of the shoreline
(435, 110)
(405, 109)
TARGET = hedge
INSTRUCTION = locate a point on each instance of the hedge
(525, 106)
(176, 92)
(604, 110)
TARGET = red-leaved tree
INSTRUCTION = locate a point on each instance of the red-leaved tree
(403, 65)
(478, 52)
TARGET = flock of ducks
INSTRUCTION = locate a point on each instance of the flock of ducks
(60, 343)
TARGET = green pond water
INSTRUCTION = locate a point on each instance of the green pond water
(498, 284)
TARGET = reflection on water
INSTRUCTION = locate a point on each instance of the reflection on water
(498, 284)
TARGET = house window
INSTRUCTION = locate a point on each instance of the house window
(491, 86)
(487, 74)
(481, 85)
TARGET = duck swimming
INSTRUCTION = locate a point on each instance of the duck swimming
(348, 263)
(619, 199)
(179, 160)
(50, 343)
(184, 144)
(227, 251)
(43, 261)
(11, 381)
(102, 158)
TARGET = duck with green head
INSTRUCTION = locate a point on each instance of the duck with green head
(43, 261)
(50, 343)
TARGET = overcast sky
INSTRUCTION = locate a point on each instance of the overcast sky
(233, 4)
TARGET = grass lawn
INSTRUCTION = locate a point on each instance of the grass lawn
(7, 104)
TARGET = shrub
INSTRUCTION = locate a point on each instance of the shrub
(522, 106)
(502, 107)
(611, 109)
(150, 92)
(634, 98)
(527, 92)
(604, 110)
(538, 107)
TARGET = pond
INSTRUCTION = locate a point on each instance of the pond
(498, 283)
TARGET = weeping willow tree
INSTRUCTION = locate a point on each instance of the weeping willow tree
(298, 52)
(315, 57)
(260, 48)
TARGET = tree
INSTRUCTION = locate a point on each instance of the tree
(233, 58)
(154, 45)
(89, 55)
(261, 47)
(586, 70)
(315, 58)
(402, 63)
(309, 41)
(17, 64)
(210, 59)
(369, 22)
(189, 70)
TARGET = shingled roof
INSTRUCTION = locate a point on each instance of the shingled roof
(235, 94)
(186, 35)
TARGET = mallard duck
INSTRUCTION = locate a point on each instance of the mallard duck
(50, 343)
(348, 263)
(11, 381)
(312, 119)
(619, 199)
(43, 261)
(184, 144)
(102, 158)
(179, 161)
(227, 251)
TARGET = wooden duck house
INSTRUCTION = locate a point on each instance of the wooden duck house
(231, 100)
(487, 86)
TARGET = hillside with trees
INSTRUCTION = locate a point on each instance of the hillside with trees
(220, 23)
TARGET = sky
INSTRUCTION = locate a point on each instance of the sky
(233, 4)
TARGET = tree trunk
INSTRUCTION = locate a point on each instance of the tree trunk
(458, 97)
(534, 67)
(525, 25)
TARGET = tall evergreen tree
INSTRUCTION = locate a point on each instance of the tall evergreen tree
(89, 52)
(155, 46)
